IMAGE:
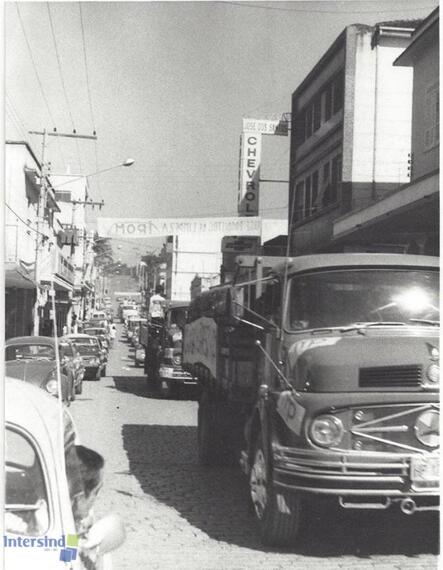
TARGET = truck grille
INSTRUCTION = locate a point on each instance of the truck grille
(405, 376)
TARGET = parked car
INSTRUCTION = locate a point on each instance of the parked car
(100, 332)
(91, 352)
(70, 351)
(32, 358)
(41, 494)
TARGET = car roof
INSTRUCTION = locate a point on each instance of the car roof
(73, 336)
(30, 340)
(30, 407)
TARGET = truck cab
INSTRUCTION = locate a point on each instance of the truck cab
(320, 375)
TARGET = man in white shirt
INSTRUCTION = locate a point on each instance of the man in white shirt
(157, 304)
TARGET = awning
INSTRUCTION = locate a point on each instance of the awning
(17, 277)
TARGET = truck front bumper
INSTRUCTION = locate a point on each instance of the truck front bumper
(177, 376)
(356, 474)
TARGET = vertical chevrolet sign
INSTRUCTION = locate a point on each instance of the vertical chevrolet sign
(249, 173)
(250, 158)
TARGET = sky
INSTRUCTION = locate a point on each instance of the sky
(168, 84)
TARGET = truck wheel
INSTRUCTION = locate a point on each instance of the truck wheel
(205, 432)
(278, 514)
(103, 372)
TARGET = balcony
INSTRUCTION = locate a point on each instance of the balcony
(54, 265)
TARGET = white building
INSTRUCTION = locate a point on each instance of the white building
(34, 258)
(351, 132)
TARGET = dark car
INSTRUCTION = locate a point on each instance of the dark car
(100, 332)
(32, 358)
(70, 352)
(91, 353)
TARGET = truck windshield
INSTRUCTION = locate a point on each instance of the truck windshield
(340, 298)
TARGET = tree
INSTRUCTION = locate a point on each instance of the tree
(103, 251)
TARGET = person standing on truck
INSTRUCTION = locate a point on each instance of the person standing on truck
(157, 305)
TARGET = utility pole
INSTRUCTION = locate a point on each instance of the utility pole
(41, 210)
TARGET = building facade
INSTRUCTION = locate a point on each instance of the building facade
(351, 132)
(408, 219)
(34, 257)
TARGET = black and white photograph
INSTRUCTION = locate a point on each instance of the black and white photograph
(221, 285)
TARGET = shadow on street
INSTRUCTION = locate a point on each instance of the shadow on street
(138, 386)
(164, 461)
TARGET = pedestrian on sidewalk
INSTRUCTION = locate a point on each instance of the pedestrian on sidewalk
(112, 334)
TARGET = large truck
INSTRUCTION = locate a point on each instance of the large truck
(319, 375)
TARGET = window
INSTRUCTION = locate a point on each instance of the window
(307, 212)
(308, 125)
(432, 117)
(328, 102)
(299, 199)
(26, 500)
(344, 297)
(317, 113)
(30, 352)
(338, 92)
(326, 185)
(320, 109)
(335, 178)
(314, 192)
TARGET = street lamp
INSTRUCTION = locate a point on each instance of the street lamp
(127, 162)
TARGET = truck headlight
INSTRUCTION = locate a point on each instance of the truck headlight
(326, 431)
(433, 373)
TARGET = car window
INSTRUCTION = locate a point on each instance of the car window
(30, 352)
(66, 350)
(26, 498)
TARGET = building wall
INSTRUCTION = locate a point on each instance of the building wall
(425, 127)
(366, 143)
(19, 240)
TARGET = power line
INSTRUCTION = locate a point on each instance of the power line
(27, 224)
(313, 11)
(88, 88)
(34, 65)
(28, 45)
(62, 81)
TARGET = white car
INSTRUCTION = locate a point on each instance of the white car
(41, 500)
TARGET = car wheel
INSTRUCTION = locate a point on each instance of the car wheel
(103, 372)
(97, 375)
(278, 514)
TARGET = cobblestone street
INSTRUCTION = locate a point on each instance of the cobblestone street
(181, 515)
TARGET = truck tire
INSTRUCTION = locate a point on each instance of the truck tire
(278, 514)
(207, 443)
(103, 372)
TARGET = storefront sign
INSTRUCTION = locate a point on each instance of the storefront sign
(248, 190)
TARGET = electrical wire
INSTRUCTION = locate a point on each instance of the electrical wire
(45, 99)
(88, 89)
(25, 223)
(34, 65)
(313, 11)
(59, 64)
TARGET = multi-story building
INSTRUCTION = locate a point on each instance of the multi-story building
(351, 138)
(76, 240)
(33, 251)
(409, 217)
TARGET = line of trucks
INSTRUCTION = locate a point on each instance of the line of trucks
(318, 375)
